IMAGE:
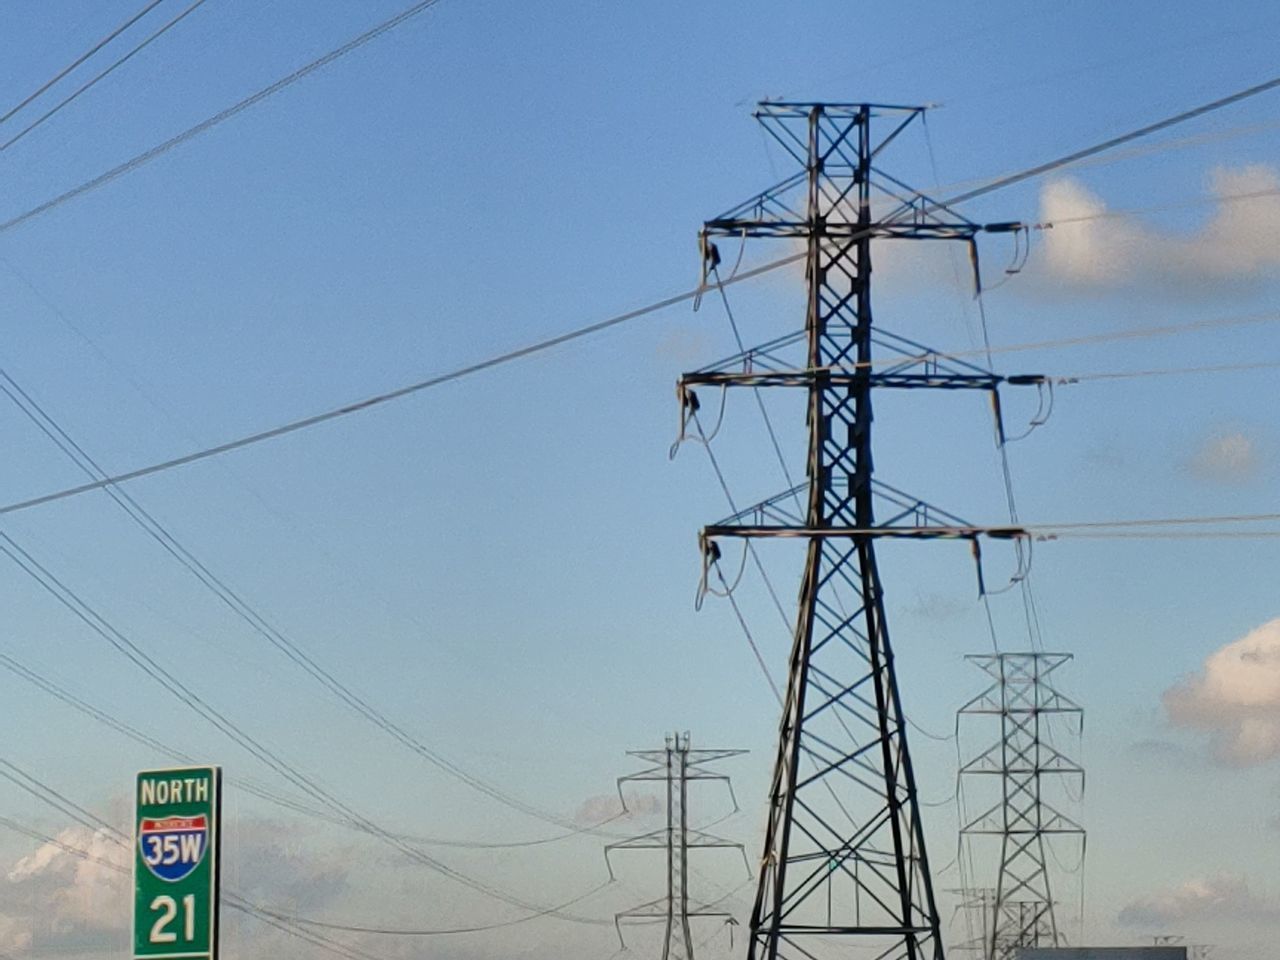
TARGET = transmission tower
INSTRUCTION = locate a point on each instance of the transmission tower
(843, 802)
(677, 765)
(975, 902)
(1021, 693)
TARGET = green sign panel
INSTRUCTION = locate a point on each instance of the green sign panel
(175, 863)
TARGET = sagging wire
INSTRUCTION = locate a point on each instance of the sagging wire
(689, 407)
(1023, 557)
(948, 865)
(1023, 552)
(1044, 407)
(1084, 847)
(1018, 259)
(941, 738)
(710, 559)
(755, 391)
(710, 257)
(742, 622)
(1044, 385)
(939, 803)
(1044, 410)
(711, 268)
(1020, 573)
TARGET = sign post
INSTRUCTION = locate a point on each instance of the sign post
(178, 837)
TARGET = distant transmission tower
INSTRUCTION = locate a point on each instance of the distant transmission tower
(976, 902)
(676, 765)
(844, 822)
(1024, 759)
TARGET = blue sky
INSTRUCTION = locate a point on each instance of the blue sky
(507, 565)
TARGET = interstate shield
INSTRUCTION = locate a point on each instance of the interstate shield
(172, 847)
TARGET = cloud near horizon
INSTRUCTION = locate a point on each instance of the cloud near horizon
(1228, 456)
(1238, 241)
(80, 898)
(607, 806)
(53, 901)
(1223, 896)
(1235, 697)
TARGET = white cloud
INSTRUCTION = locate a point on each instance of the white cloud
(1228, 456)
(1220, 897)
(1237, 241)
(685, 348)
(938, 606)
(1235, 697)
(57, 902)
(78, 898)
(607, 806)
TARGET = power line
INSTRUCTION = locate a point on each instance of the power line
(1057, 343)
(131, 651)
(383, 398)
(1165, 372)
(539, 346)
(147, 8)
(438, 932)
(309, 936)
(1175, 535)
(1164, 521)
(88, 85)
(229, 898)
(99, 827)
(1040, 169)
(255, 620)
(1004, 531)
(1156, 208)
(542, 345)
(248, 786)
(146, 740)
(208, 124)
(51, 797)
(462, 372)
(62, 845)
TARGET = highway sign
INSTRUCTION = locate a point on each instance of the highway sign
(175, 863)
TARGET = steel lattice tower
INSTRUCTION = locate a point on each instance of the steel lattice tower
(843, 801)
(677, 765)
(976, 902)
(1021, 693)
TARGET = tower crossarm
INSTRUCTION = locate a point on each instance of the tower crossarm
(782, 362)
(902, 507)
(827, 377)
(922, 230)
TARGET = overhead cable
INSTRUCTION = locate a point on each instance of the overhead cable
(439, 931)
(269, 757)
(1040, 169)
(540, 346)
(147, 8)
(1157, 208)
(383, 398)
(255, 620)
(209, 123)
(249, 786)
(102, 75)
(229, 898)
